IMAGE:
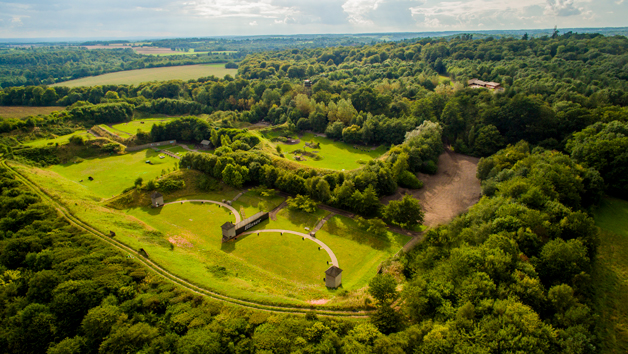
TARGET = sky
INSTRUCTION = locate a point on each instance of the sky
(206, 18)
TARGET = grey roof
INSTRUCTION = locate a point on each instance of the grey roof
(251, 219)
(333, 271)
(228, 225)
(205, 142)
(156, 194)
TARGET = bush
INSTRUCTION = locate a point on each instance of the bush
(407, 179)
(429, 167)
(170, 184)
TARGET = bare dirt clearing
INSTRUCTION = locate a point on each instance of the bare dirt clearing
(448, 193)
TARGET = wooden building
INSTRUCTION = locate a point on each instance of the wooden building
(156, 199)
(475, 83)
(333, 277)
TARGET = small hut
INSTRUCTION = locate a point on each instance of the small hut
(156, 199)
(333, 277)
(228, 231)
(205, 144)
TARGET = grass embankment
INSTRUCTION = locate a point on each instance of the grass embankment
(334, 155)
(113, 174)
(610, 275)
(26, 111)
(135, 77)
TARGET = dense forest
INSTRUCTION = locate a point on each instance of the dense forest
(513, 274)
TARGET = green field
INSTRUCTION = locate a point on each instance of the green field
(610, 275)
(144, 125)
(135, 77)
(335, 155)
(113, 174)
(26, 111)
(358, 253)
(63, 139)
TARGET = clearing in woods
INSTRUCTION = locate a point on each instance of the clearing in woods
(113, 174)
(609, 274)
(144, 125)
(448, 193)
(23, 111)
(135, 77)
(334, 155)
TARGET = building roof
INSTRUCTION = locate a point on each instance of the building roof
(251, 219)
(228, 225)
(205, 142)
(155, 195)
(333, 271)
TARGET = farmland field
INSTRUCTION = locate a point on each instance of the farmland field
(25, 111)
(610, 273)
(114, 173)
(335, 155)
(134, 77)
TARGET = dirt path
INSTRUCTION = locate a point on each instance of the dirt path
(448, 193)
(185, 147)
(322, 222)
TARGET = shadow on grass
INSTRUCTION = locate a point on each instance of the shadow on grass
(230, 245)
(354, 233)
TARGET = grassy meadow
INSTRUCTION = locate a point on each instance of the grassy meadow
(336, 155)
(24, 111)
(63, 139)
(135, 77)
(144, 125)
(610, 273)
(113, 174)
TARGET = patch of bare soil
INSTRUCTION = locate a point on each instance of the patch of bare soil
(180, 242)
(319, 302)
(448, 193)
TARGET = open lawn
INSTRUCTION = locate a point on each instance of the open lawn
(610, 275)
(63, 139)
(24, 111)
(359, 253)
(113, 174)
(134, 77)
(144, 125)
(334, 155)
(269, 267)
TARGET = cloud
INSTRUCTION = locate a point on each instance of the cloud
(237, 8)
(464, 14)
(561, 8)
(192, 18)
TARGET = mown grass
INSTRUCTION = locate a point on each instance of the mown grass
(202, 266)
(144, 125)
(113, 174)
(610, 275)
(25, 111)
(335, 155)
(64, 139)
(135, 77)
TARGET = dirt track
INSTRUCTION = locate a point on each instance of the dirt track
(448, 193)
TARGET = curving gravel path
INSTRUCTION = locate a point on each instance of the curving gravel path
(334, 260)
(237, 215)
